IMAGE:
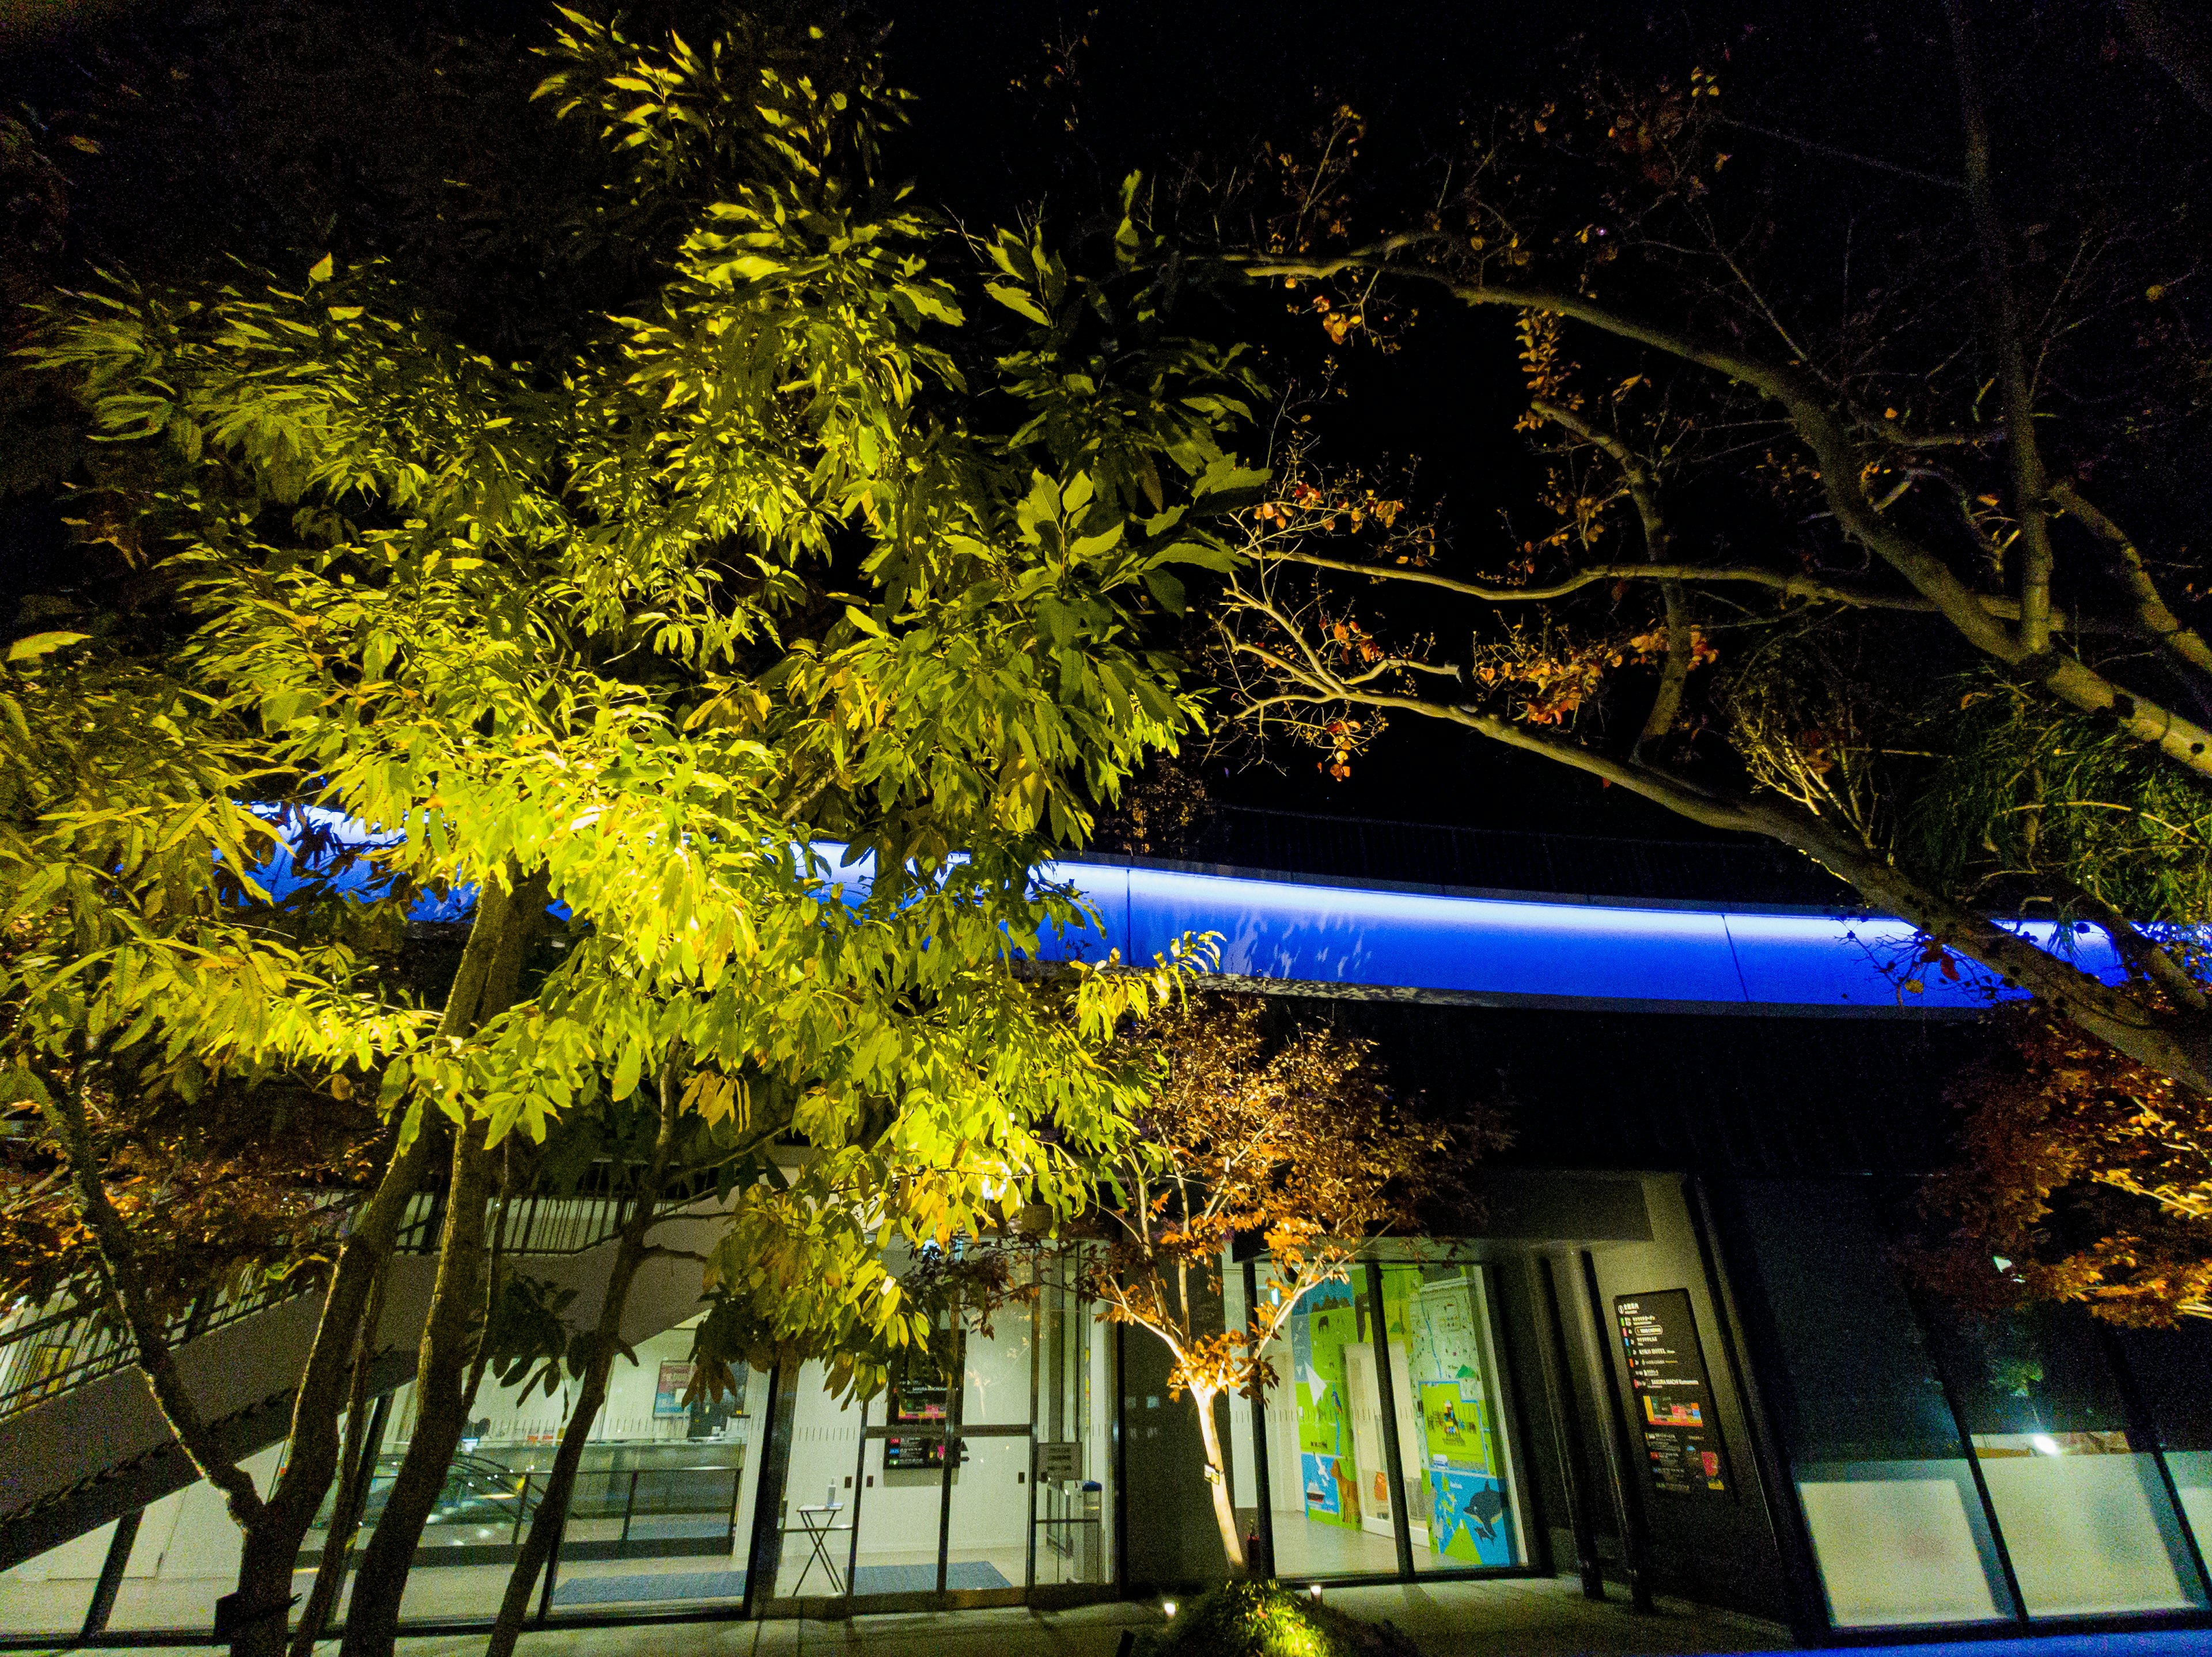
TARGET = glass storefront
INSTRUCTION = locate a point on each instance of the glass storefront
(1379, 1426)
(1898, 1532)
(2089, 1526)
(657, 1518)
(1946, 1477)
(2169, 1369)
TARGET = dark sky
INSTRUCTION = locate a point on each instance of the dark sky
(1159, 84)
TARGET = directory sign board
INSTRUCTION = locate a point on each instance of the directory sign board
(1670, 1393)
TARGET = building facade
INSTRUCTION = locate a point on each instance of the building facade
(1669, 1351)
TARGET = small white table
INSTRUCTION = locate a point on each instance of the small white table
(818, 1524)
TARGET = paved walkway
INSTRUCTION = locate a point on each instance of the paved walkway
(1514, 1617)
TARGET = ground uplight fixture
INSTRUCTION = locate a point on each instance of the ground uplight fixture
(1168, 1605)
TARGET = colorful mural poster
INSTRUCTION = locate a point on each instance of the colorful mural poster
(1454, 1464)
(1324, 1495)
(1466, 1517)
(1325, 1321)
(1433, 1321)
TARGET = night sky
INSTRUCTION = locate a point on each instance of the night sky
(1031, 107)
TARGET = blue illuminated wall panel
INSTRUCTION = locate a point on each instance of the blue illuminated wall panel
(1491, 951)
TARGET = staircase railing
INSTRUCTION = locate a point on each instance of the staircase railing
(47, 1349)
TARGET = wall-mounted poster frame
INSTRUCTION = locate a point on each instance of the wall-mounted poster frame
(1671, 1394)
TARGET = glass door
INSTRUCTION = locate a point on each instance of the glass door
(1072, 1461)
(982, 1469)
(816, 1523)
(986, 1556)
(899, 1544)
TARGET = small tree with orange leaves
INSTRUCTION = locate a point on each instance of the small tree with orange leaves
(2087, 1177)
(1295, 1139)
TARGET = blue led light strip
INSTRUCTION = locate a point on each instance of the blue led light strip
(1311, 937)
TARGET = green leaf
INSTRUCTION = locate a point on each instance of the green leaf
(35, 645)
(1059, 622)
(19, 1085)
(321, 269)
(1090, 546)
(1167, 589)
(285, 706)
(1015, 300)
(1226, 486)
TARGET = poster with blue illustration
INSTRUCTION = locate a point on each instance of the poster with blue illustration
(1467, 1518)
(1323, 1491)
(1326, 1322)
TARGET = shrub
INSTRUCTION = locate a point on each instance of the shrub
(1266, 1619)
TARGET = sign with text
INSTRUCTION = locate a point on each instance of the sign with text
(1670, 1393)
(669, 1388)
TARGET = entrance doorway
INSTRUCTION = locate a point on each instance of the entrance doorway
(980, 1477)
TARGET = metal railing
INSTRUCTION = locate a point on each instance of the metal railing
(48, 1348)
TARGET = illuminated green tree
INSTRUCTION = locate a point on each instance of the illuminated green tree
(774, 560)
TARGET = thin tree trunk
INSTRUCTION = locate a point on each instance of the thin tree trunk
(123, 1276)
(440, 1400)
(270, 1547)
(489, 981)
(1217, 1474)
(352, 1486)
(553, 1506)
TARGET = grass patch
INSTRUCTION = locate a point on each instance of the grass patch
(1266, 1619)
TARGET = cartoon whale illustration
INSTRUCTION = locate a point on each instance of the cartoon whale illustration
(1486, 1506)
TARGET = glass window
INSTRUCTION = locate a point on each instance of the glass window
(1456, 1474)
(1073, 1449)
(1332, 1513)
(1333, 1489)
(185, 1559)
(659, 1518)
(2083, 1510)
(2170, 1367)
(1897, 1529)
(48, 1594)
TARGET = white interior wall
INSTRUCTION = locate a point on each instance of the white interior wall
(186, 1534)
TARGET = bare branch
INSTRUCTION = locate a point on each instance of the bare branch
(1825, 430)
(123, 1276)
(2030, 487)
(1811, 587)
(2157, 618)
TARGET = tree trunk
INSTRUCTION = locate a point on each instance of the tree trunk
(272, 1545)
(489, 981)
(1217, 1474)
(553, 1506)
(123, 1273)
(353, 1488)
(441, 1404)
